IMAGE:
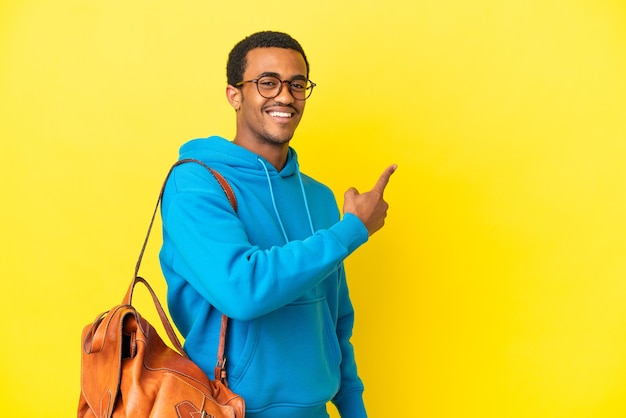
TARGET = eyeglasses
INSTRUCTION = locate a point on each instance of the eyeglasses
(270, 87)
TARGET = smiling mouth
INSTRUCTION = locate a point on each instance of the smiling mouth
(275, 113)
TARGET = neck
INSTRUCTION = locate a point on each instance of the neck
(276, 154)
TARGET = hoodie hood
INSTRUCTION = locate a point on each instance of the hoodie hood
(226, 157)
(217, 150)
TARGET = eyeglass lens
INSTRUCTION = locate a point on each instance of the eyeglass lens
(270, 87)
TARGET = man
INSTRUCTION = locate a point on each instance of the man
(274, 267)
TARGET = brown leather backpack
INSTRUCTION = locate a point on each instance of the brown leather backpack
(128, 371)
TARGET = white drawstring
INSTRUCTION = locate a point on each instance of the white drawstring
(269, 182)
(306, 203)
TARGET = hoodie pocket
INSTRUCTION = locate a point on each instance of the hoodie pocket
(294, 358)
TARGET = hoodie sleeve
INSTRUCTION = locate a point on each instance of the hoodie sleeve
(205, 243)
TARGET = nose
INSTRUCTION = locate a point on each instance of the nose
(284, 95)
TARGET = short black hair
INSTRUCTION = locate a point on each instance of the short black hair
(236, 65)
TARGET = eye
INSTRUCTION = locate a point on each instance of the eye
(267, 83)
(299, 85)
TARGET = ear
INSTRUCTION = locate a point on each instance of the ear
(233, 94)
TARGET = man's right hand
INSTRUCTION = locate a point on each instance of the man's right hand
(370, 206)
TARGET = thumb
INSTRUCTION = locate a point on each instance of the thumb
(350, 193)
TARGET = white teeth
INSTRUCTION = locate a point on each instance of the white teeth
(280, 114)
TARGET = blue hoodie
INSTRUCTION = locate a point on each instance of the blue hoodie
(275, 268)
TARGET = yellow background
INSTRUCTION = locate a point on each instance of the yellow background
(497, 288)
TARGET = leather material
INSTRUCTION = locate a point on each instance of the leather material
(127, 370)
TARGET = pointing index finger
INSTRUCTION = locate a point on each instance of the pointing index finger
(384, 179)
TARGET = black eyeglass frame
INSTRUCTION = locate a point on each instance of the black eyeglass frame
(280, 89)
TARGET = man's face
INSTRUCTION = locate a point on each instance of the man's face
(270, 121)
